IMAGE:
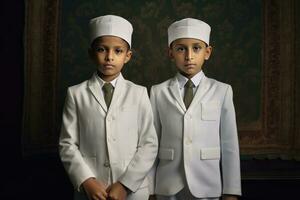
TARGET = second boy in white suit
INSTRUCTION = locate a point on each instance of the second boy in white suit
(195, 120)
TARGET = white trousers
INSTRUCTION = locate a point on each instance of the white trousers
(140, 194)
(184, 194)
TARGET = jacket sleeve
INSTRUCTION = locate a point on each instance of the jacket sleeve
(146, 153)
(71, 158)
(230, 162)
(157, 125)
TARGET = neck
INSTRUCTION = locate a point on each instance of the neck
(189, 76)
(107, 78)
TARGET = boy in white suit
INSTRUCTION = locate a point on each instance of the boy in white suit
(108, 142)
(195, 121)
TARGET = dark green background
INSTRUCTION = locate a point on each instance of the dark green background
(236, 38)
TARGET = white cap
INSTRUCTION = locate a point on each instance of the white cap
(110, 25)
(189, 28)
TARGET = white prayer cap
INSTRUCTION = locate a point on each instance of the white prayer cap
(189, 28)
(110, 25)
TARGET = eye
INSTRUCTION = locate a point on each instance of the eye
(179, 49)
(100, 49)
(197, 48)
(119, 51)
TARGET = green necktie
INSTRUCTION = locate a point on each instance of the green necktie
(108, 91)
(188, 94)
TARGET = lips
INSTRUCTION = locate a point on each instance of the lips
(189, 65)
(108, 66)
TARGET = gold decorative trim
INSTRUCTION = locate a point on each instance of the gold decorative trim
(276, 137)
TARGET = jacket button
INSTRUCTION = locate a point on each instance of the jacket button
(106, 164)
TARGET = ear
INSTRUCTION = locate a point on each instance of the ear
(170, 53)
(208, 51)
(128, 56)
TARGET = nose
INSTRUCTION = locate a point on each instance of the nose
(189, 54)
(109, 55)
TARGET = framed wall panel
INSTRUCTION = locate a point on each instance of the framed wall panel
(268, 113)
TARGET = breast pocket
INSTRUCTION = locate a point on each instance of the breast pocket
(212, 153)
(210, 111)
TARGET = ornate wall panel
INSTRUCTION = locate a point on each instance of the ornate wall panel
(276, 138)
(255, 53)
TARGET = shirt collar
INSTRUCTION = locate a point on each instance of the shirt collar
(113, 82)
(195, 79)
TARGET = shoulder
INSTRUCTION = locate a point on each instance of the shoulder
(220, 88)
(162, 86)
(134, 87)
(218, 84)
(78, 87)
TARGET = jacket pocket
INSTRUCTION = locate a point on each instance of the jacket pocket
(210, 110)
(212, 153)
(166, 154)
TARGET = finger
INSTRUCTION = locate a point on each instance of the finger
(103, 198)
(100, 195)
(95, 197)
(104, 193)
(108, 189)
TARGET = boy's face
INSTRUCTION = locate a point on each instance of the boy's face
(110, 53)
(189, 55)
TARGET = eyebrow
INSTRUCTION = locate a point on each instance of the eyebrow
(121, 46)
(186, 45)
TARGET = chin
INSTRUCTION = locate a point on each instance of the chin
(107, 72)
(189, 73)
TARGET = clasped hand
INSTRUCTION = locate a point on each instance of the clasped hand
(96, 190)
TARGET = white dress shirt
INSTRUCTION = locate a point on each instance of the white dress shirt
(182, 81)
(102, 82)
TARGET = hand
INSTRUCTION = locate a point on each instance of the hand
(152, 197)
(116, 191)
(229, 197)
(94, 189)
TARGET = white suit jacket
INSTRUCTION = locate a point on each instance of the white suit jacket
(125, 133)
(198, 146)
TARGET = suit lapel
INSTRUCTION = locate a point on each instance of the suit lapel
(174, 89)
(96, 91)
(200, 92)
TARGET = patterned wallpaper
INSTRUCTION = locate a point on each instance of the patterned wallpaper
(236, 38)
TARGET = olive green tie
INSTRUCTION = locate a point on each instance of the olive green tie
(188, 94)
(108, 91)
